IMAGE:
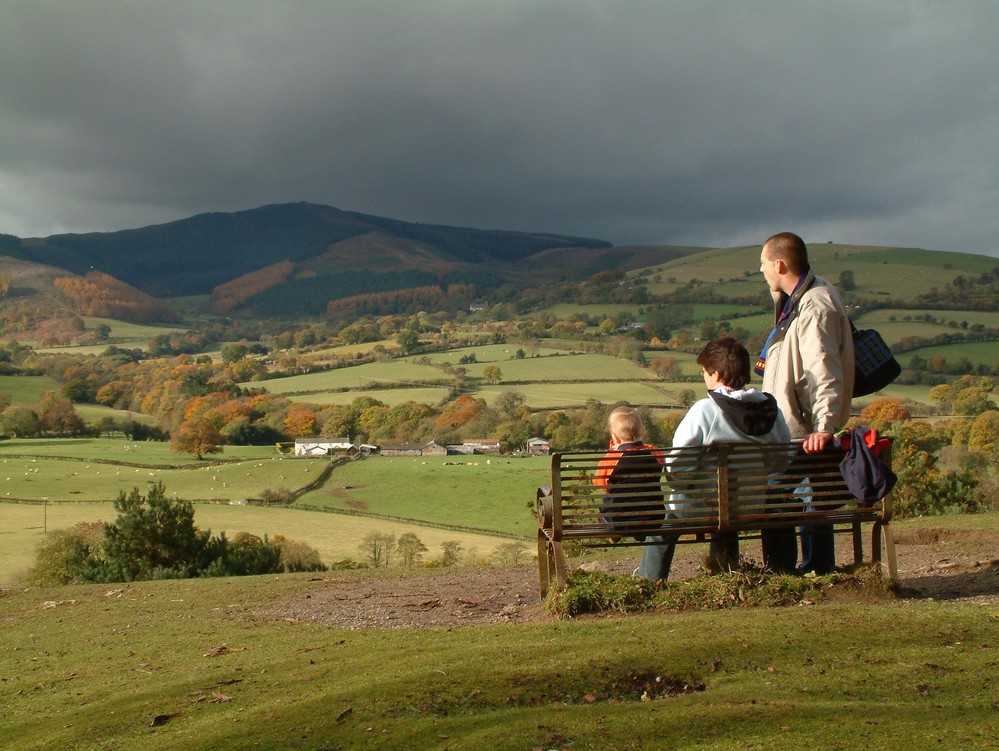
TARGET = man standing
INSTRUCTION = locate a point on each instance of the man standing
(808, 365)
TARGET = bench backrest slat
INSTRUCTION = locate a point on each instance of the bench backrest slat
(720, 486)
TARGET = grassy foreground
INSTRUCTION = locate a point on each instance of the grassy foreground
(191, 664)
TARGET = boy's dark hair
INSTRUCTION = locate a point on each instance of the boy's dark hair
(729, 359)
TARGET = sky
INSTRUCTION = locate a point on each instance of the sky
(683, 122)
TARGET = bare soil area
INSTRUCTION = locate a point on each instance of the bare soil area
(933, 564)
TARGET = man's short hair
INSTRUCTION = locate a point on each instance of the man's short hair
(729, 359)
(790, 249)
(626, 424)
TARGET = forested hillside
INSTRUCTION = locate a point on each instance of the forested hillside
(193, 256)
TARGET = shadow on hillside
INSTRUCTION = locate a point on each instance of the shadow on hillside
(953, 586)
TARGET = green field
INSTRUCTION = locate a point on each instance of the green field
(95, 469)
(27, 390)
(123, 334)
(563, 367)
(566, 395)
(914, 393)
(470, 491)
(348, 350)
(390, 397)
(91, 412)
(32, 479)
(566, 309)
(698, 311)
(984, 353)
(399, 371)
(891, 324)
(734, 272)
(490, 353)
(550, 380)
(72, 480)
(117, 449)
(335, 536)
(892, 316)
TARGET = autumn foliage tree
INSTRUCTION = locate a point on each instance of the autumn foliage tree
(492, 374)
(984, 433)
(198, 435)
(883, 412)
(99, 294)
(232, 294)
(300, 422)
(410, 548)
(58, 416)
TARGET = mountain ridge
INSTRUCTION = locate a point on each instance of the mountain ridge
(195, 255)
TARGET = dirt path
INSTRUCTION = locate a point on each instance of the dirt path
(953, 565)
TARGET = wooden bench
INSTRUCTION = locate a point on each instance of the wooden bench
(723, 488)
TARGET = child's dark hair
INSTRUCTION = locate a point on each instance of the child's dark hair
(729, 359)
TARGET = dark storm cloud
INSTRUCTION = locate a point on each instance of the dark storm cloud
(708, 123)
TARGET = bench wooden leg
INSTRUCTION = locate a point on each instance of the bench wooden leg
(858, 544)
(879, 532)
(551, 564)
(544, 564)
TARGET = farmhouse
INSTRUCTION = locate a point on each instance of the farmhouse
(538, 447)
(482, 445)
(414, 449)
(325, 447)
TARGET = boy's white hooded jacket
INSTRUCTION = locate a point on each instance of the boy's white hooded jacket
(726, 416)
(732, 416)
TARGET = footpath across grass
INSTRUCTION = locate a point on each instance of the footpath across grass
(191, 664)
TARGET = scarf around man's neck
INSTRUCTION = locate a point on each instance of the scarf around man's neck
(786, 314)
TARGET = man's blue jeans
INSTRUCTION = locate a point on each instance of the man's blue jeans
(818, 546)
(657, 559)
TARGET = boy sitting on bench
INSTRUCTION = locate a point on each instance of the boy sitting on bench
(732, 413)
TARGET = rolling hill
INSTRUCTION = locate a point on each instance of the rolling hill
(293, 260)
(193, 256)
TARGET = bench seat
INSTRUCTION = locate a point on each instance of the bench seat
(738, 487)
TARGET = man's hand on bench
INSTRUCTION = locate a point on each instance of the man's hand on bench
(816, 442)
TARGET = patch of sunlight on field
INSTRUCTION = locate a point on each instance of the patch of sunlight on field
(123, 335)
(126, 330)
(592, 310)
(978, 353)
(484, 492)
(389, 397)
(91, 412)
(355, 376)
(877, 318)
(37, 478)
(335, 536)
(348, 350)
(90, 349)
(564, 395)
(489, 353)
(915, 393)
(566, 367)
(27, 390)
(120, 449)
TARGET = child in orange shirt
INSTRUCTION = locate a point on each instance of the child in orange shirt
(629, 474)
